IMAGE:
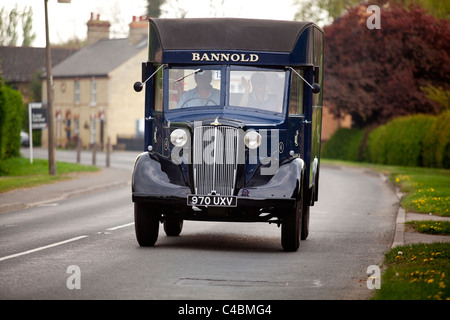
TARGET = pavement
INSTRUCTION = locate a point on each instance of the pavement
(87, 183)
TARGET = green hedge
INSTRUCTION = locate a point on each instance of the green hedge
(400, 142)
(436, 143)
(10, 121)
(418, 140)
(344, 144)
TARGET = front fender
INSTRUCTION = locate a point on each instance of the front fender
(156, 177)
(284, 184)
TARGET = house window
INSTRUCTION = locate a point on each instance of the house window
(77, 92)
(93, 92)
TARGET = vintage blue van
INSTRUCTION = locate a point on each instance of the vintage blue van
(233, 119)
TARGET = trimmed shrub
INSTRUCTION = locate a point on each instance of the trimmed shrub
(10, 121)
(344, 144)
(418, 140)
(436, 143)
(401, 141)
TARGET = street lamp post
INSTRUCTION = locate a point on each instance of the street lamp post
(51, 137)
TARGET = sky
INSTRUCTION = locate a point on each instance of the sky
(68, 21)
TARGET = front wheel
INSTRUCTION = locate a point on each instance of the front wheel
(305, 220)
(146, 224)
(290, 229)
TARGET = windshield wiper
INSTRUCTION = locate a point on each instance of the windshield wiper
(189, 74)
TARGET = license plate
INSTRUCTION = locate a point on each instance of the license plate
(211, 200)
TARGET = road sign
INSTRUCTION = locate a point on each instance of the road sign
(37, 118)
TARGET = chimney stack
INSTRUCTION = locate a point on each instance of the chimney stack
(138, 29)
(97, 30)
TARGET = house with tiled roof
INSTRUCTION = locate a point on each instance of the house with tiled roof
(93, 96)
(19, 65)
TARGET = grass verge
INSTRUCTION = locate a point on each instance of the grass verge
(18, 173)
(431, 227)
(417, 271)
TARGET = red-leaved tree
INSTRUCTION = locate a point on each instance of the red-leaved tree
(377, 74)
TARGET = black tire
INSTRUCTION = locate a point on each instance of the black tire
(305, 217)
(173, 228)
(290, 229)
(146, 224)
(305, 223)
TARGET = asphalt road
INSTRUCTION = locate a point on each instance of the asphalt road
(89, 242)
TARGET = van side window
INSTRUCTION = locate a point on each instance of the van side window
(296, 96)
(159, 91)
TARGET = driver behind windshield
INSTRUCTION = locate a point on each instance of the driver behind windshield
(203, 94)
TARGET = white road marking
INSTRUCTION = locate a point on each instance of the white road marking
(42, 248)
(122, 226)
(60, 243)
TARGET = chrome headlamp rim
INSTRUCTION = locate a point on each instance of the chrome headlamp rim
(178, 137)
(252, 139)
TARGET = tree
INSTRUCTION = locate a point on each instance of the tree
(377, 74)
(9, 26)
(438, 8)
(326, 11)
(322, 11)
(154, 8)
(27, 25)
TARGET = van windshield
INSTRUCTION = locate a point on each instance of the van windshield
(193, 88)
(262, 90)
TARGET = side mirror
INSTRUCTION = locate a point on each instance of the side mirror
(138, 86)
(315, 88)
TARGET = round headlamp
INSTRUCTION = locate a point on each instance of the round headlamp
(252, 140)
(178, 137)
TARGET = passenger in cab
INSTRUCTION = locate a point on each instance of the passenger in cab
(258, 96)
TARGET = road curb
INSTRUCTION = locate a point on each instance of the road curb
(399, 233)
(399, 237)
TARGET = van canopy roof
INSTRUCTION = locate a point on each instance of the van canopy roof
(227, 35)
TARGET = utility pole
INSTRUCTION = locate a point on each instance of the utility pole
(51, 136)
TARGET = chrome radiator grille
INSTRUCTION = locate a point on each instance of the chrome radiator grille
(215, 159)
